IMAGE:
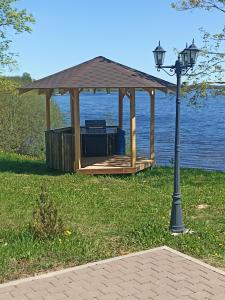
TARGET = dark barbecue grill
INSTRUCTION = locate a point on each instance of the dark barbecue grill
(101, 140)
(95, 138)
(95, 126)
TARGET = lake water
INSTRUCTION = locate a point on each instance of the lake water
(202, 129)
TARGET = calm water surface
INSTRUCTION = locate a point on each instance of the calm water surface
(202, 129)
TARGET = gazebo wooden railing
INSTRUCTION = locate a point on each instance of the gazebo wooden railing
(64, 145)
(60, 149)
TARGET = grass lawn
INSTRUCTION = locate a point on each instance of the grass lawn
(107, 215)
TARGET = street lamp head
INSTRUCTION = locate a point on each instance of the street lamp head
(185, 56)
(189, 55)
(159, 55)
(193, 53)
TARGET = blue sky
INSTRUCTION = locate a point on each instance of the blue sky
(71, 31)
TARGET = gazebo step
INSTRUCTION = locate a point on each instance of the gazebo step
(117, 164)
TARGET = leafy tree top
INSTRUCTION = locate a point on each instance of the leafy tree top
(11, 19)
(210, 68)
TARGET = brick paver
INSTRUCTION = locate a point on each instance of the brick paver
(160, 273)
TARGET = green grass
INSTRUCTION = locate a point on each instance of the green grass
(108, 215)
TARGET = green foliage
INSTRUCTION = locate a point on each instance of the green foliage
(11, 20)
(204, 4)
(111, 215)
(46, 222)
(22, 122)
(26, 78)
(8, 86)
(210, 67)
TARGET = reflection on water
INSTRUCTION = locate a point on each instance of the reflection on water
(202, 130)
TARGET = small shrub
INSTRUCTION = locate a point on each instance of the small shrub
(46, 221)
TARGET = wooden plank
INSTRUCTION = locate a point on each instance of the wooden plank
(109, 171)
(50, 150)
(76, 128)
(71, 152)
(48, 110)
(54, 151)
(65, 152)
(66, 169)
(62, 152)
(47, 148)
(133, 150)
(56, 146)
(48, 136)
(152, 126)
(120, 112)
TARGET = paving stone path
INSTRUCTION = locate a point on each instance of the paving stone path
(160, 273)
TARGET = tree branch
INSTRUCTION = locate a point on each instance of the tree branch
(213, 5)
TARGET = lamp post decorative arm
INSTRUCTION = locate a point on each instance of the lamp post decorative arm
(178, 67)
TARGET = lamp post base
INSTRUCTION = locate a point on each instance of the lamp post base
(186, 230)
(176, 219)
(179, 230)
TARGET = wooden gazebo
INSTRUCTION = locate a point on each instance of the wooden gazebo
(64, 145)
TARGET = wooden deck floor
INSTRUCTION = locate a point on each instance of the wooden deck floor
(117, 164)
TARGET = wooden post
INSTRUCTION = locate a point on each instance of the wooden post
(48, 110)
(76, 128)
(71, 111)
(120, 111)
(152, 125)
(132, 128)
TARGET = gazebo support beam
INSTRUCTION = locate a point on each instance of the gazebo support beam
(48, 109)
(152, 126)
(152, 122)
(132, 128)
(76, 128)
(71, 109)
(120, 112)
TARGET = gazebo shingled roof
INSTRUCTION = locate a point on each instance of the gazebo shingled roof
(99, 72)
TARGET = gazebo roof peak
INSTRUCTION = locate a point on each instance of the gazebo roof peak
(99, 72)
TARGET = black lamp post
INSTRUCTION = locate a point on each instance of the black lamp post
(186, 60)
